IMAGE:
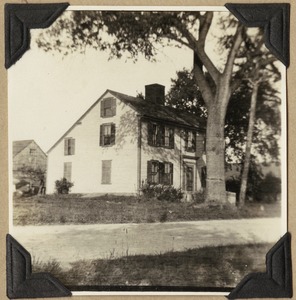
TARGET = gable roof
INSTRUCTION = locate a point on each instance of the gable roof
(165, 113)
(18, 146)
(147, 109)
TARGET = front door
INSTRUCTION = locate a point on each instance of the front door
(189, 178)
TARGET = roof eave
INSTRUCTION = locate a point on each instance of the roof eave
(197, 128)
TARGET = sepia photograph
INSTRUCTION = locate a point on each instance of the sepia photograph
(147, 149)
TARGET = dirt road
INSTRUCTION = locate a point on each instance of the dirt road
(68, 243)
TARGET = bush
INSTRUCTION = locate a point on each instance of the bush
(63, 186)
(162, 192)
(268, 189)
(199, 197)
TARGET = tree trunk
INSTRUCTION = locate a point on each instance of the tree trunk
(215, 153)
(244, 181)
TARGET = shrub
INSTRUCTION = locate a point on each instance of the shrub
(199, 197)
(162, 192)
(163, 217)
(268, 189)
(63, 186)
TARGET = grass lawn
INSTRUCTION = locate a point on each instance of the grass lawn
(75, 209)
(209, 267)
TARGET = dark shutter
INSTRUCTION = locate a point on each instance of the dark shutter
(200, 145)
(72, 141)
(150, 133)
(112, 140)
(113, 106)
(102, 108)
(172, 138)
(149, 171)
(193, 141)
(101, 135)
(171, 174)
(186, 140)
(66, 147)
(161, 174)
(203, 177)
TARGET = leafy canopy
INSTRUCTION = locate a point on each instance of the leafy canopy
(185, 95)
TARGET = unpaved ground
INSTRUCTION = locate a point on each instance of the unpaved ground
(69, 243)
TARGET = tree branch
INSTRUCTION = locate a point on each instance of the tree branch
(204, 26)
(179, 40)
(204, 87)
(237, 40)
(198, 45)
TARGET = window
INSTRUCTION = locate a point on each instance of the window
(108, 107)
(32, 151)
(68, 170)
(107, 134)
(69, 146)
(160, 172)
(154, 172)
(106, 171)
(168, 174)
(156, 135)
(160, 135)
(190, 141)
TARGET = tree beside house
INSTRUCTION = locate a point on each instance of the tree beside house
(122, 142)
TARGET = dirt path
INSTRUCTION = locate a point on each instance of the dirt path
(68, 243)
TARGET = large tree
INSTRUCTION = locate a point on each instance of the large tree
(139, 32)
(185, 95)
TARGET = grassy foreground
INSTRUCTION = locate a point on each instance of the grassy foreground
(75, 209)
(222, 267)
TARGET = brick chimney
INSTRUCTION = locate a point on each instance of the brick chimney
(155, 93)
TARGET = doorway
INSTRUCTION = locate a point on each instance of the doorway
(189, 175)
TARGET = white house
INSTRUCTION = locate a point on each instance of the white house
(122, 142)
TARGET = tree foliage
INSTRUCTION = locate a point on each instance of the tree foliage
(32, 174)
(185, 94)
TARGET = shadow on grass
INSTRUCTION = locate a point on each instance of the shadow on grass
(210, 267)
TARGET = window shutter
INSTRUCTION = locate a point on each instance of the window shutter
(184, 175)
(102, 108)
(65, 147)
(172, 138)
(72, 146)
(150, 133)
(186, 140)
(171, 173)
(199, 145)
(67, 170)
(113, 106)
(106, 171)
(204, 176)
(112, 134)
(161, 174)
(149, 171)
(101, 135)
